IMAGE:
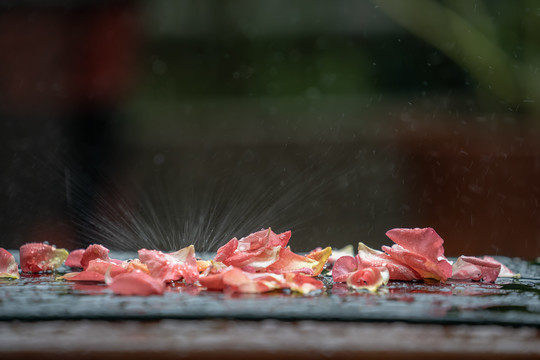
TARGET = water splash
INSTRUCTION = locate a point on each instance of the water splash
(170, 214)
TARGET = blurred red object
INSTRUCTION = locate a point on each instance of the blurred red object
(56, 57)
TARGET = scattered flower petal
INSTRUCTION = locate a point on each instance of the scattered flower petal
(38, 257)
(344, 266)
(303, 284)
(102, 267)
(95, 271)
(472, 268)
(264, 260)
(368, 257)
(227, 250)
(94, 252)
(422, 250)
(136, 283)
(174, 266)
(290, 262)
(74, 258)
(213, 282)
(8, 266)
(370, 279)
(505, 271)
(83, 276)
(256, 250)
(238, 281)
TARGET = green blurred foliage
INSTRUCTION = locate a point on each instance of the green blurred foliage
(497, 42)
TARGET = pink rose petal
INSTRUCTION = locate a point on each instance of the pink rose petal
(289, 262)
(505, 271)
(368, 257)
(226, 250)
(84, 276)
(422, 250)
(93, 252)
(136, 283)
(213, 282)
(38, 257)
(302, 284)
(472, 268)
(343, 267)
(255, 250)
(370, 279)
(102, 267)
(8, 266)
(174, 266)
(238, 281)
(74, 258)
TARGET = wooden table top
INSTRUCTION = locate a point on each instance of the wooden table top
(233, 339)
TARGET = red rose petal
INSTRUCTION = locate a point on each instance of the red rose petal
(505, 271)
(226, 250)
(102, 267)
(239, 281)
(213, 282)
(368, 278)
(98, 269)
(368, 257)
(280, 239)
(420, 241)
(74, 258)
(136, 283)
(249, 248)
(174, 266)
(255, 251)
(93, 252)
(8, 266)
(422, 250)
(84, 276)
(302, 284)
(423, 266)
(257, 240)
(343, 267)
(235, 280)
(472, 268)
(38, 257)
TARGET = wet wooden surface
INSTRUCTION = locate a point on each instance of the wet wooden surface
(509, 302)
(41, 317)
(267, 339)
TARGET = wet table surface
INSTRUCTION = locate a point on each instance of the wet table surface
(508, 309)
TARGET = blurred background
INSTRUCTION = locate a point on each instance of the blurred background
(168, 122)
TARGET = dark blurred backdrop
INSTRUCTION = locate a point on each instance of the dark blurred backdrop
(163, 123)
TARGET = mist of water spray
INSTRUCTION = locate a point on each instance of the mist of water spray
(169, 214)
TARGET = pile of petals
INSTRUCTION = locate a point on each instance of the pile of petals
(262, 262)
(258, 263)
(416, 255)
